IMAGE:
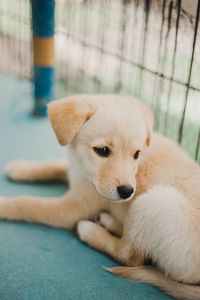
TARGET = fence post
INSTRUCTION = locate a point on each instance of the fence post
(43, 53)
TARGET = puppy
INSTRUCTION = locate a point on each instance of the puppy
(149, 187)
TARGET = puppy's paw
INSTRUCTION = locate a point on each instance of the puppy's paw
(93, 234)
(18, 170)
(105, 219)
(84, 229)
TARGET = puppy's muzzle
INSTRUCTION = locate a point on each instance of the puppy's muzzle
(125, 191)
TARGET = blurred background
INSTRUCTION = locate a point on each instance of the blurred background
(147, 48)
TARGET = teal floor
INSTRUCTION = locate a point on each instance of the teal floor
(39, 262)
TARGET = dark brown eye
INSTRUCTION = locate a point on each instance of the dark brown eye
(137, 154)
(104, 151)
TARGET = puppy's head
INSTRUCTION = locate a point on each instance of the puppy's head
(108, 135)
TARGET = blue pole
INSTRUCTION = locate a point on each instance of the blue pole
(43, 53)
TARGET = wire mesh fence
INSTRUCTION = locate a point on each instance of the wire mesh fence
(15, 38)
(146, 48)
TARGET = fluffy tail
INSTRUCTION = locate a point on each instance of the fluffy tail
(150, 275)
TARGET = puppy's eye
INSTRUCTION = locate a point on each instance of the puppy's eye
(104, 151)
(136, 155)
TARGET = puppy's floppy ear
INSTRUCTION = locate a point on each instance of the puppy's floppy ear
(67, 116)
(149, 119)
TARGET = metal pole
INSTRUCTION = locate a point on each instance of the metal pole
(43, 53)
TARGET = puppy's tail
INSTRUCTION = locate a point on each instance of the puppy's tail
(150, 275)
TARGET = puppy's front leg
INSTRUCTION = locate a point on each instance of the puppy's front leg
(99, 238)
(59, 212)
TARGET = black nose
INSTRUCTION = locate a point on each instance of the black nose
(124, 191)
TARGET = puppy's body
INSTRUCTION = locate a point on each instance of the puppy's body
(167, 164)
(160, 222)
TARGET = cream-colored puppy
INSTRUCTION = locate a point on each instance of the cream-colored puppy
(149, 187)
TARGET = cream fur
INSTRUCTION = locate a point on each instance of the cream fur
(160, 222)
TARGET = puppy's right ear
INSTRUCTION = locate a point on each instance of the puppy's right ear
(67, 116)
(149, 119)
